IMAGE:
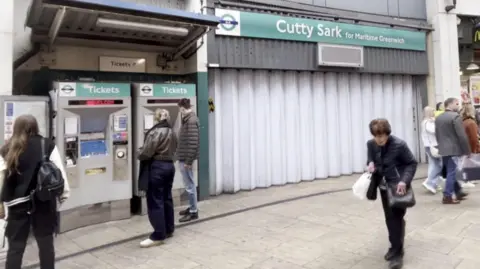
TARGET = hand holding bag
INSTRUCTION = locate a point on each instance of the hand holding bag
(396, 200)
(360, 187)
(373, 187)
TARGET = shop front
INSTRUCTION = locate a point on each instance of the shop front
(106, 66)
(294, 94)
(454, 48)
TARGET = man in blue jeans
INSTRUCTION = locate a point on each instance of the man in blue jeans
(452, 144)
(187, 153)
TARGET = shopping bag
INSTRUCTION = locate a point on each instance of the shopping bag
(360, 187)
(470, 167)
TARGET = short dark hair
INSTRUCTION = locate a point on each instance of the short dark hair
(449, 101)
(185, 103)
(437, 107)
(380, 127)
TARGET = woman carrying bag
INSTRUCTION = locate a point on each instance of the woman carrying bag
(393, 167)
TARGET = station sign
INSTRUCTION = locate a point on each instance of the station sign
(268, 26)
(93, 89)
(167, 90)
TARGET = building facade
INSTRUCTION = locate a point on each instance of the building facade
(295, 85)
(108, 46)
(454, 54)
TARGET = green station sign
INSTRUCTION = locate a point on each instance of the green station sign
(268, 26)
(93, 89)
(167, 90)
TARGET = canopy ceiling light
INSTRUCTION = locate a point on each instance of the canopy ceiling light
(473, 66)
(145, 27)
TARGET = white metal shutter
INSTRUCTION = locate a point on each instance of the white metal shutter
(276, 127)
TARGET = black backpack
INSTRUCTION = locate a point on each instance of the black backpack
(50, 182)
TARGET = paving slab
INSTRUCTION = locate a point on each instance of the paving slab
(328, 231)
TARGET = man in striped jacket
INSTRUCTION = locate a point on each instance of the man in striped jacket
(187, 153)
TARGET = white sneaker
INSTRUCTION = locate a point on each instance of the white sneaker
(467, 185)
(150, 243)
(428, 187)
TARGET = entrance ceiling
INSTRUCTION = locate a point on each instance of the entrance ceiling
(168, 30)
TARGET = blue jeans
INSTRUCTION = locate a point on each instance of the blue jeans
(451, 184)
(189, 184)
(434, 168)
(159, 199)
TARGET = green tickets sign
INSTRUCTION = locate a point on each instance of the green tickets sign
(93, 89)
(167, 90)
(268, 26)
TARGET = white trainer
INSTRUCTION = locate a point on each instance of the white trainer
(428, 187)
(147, 243)
(467, 185)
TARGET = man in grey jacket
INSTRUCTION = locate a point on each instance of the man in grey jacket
(452, 144)
(187, 153)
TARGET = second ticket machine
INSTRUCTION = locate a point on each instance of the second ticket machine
(92, 127)
(147, 98)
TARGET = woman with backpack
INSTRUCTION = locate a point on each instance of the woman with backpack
(20, 160)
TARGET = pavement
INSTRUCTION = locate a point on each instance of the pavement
(311, 225)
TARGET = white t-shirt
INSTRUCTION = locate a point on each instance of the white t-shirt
(428, 133)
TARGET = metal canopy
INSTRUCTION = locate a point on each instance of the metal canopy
(84, 19)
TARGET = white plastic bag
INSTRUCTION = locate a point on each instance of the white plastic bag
(360, 187)
(468, 162)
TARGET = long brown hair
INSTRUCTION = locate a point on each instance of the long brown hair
(24, 127)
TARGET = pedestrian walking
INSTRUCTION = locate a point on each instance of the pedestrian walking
(157, 171)
(20, 158)
(392, 165)
(429, 140)
(452, 144)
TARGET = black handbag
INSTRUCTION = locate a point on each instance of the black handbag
(373, 187)
(396, 200)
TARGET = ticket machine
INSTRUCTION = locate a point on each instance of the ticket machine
(92, 128)
(147, 98)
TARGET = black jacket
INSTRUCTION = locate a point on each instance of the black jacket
(188, 139)
(394, 161)
(19, 185)
(159, 144)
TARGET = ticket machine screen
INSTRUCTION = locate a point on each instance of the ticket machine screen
(90, 148)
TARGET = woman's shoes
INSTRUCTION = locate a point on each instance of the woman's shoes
(391, 254)
(147, 243)
(396, 263)
(428, 187)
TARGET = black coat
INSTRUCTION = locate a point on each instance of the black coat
(394, 161)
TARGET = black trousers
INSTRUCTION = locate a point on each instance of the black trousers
(159, 199)
(394, 218)
(19, 223)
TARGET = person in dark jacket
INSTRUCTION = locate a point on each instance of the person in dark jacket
(156, 178)
(20, 157)
(391, 162)
(187, 153)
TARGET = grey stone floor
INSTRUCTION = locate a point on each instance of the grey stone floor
(331, 231)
